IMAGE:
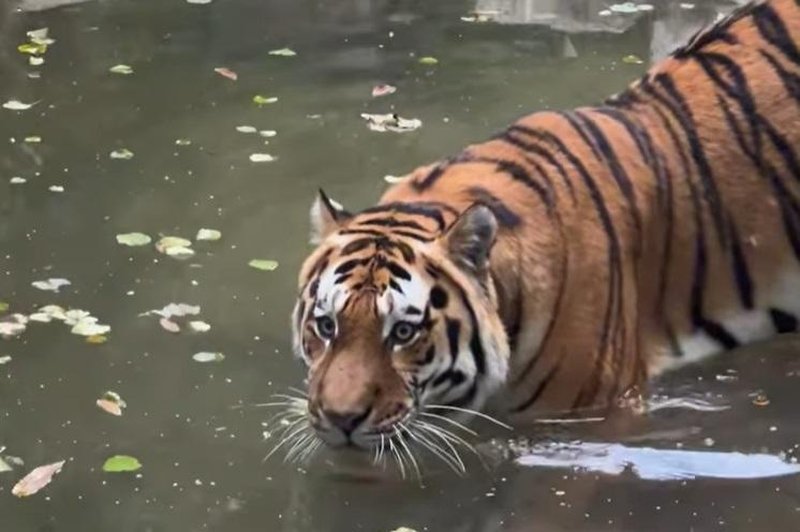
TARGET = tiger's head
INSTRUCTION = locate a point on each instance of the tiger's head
(396, 312)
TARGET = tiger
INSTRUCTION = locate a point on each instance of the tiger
(571, 257)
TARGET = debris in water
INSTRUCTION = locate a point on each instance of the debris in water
(205, 357)
(632, 59)
(16, 105)
(125, 70)
(284, 52)
(428, 60)
(112, 403)
(133, 239)
(263, 264)
(121, 464)
(227, 73)
(169, 325)
(51, 285)
(261, 158)
(123, 153)
(208, 235)
(260, 100)
(391, 122)
(36, 479)
(383, 90)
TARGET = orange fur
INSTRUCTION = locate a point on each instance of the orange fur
(648, 225)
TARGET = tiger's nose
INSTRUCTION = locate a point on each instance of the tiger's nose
(347, 422)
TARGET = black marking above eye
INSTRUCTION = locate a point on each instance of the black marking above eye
(398, 271)
(438, 297)
(413, 311)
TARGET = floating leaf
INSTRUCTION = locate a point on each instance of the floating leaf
(246, 129)
(687, 5)
(428, 60)
(16, 105)
(198, 2)
(383, 90)
(179, 252)
(227, 73)
(208, 234)
(169, 325)
(17, 180)
(123, 153)
(167, 242)
(205, 356)
(36, 479)
(35, 60)
(112, 403)
(125, 70)
(51, 285)
(40, 36)
(199, 326)
(33, 139)
(267, 133)
(5, 359)
(176, 310)
(96, 339)
(261, 158)
(391, 122)
(183, 142)
(3, 306)
(285, 52)
(32, 48)
(259, 100)
(263, 264)
(55, 188)
(632, 59)
(133, 239)
(121, 464)
(89, 327)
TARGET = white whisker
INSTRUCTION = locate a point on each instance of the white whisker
(471, 412)
(451, 421)
(436, 450)
(408, 450)
(397, 457)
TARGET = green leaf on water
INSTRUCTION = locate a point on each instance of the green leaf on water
(258, 99)
(133, 239)
(263, 264)
(121, 69)
(428, 60)
(32, 48)
(285, 52)
(121, 464)
(3, 306)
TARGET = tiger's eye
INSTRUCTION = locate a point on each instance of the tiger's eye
(403, 332)
(326, 327)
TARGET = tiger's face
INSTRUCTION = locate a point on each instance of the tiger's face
(396, 314)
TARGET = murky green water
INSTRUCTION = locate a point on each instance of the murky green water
(202, 455)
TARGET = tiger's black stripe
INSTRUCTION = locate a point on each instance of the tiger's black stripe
(791, 81)
(677, 105)
(771, 28)
(783, 321)
(518, 173)
(544, 154)
(617, 169)
(574, 118)
(615, 289)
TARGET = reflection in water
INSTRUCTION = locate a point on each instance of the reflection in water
(657, 464)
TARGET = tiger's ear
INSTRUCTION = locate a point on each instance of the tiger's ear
(470, 239)
(326, 217)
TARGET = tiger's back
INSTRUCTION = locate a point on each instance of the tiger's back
(671, 213)
(574, 254)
